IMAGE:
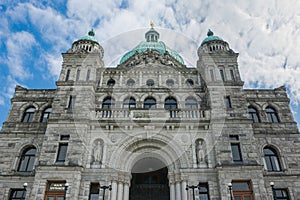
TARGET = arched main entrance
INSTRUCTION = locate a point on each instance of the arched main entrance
(149, 180)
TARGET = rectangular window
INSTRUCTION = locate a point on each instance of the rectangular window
(242, 190)
(212, 76)
(232, 74)
(281, 194)
(68, 74)
(71, 103)
(94, 191)
(222, 75)
(78, 75)
(17, 194)
(236, 152)
(88, 74)
(227, 102)
(203, 191)
(62, 152)
(64, 137)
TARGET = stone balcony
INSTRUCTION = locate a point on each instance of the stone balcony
(156, 114)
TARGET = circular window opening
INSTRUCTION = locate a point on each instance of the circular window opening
(170, 82)
(111, 82)
(130, 82)
(189, 82)
(150, 83)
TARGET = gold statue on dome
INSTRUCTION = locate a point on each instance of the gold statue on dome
(152, 24)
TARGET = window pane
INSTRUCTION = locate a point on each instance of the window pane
(222, 75)
(50, 198)
(240, 186)
(17, 194)
(236, 152)
(62, 152)
(227, 102)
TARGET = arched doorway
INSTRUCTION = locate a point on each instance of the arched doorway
(149, 180)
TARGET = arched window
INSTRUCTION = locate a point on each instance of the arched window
(68, 75)
(170, 103)
(28, 115)
(150, 83)
(253, 114)
(46, 114)
(170, 83)
(130, 82)
(191, 103)
(111, 82)
(27, 160)
(189, 82)
(150, 102)
(272, 115)
(129, 103)
(108, 103)
(271, 159)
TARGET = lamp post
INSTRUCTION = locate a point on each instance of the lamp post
(105, 188)
(25, 187)
(193, 187)
(230, 190)
(273, 191)
(66, 188)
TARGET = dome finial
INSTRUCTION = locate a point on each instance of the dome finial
(151, 24)
(91, 33)
(210, 33)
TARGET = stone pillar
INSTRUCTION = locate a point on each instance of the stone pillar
(172, 191)
(114, 190)
(120, 191)
(178, 191)
(103, 155)
(183, 190)
(126, 191)
(179, 79)
(140, 79)
(121, 79)
(194, 155)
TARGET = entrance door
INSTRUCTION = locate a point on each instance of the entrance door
(152, 185)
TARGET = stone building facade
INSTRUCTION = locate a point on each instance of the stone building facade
(150, 128)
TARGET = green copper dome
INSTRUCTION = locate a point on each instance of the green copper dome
(89, 37)
(211, 37)
(152, 43)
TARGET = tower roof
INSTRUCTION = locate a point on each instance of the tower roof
(89, 37)
(211, 37)
(152, 43)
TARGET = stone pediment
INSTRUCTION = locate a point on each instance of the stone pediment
(151, 57)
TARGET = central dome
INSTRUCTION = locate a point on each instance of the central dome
(152, 43)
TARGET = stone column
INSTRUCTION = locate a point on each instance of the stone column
(120, 191)
(114, 190)
(126, 191)
(194, 155)
(178, 191)
(121, 79)
(172, 191)
(183, 190)
(140, 79)
(103, 155)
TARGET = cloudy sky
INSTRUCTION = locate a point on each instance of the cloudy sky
(34, 33)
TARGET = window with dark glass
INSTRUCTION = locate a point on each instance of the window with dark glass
(150, 103)
(203, 191)
(27, 160)
(111, 82)
(94, 191)
(88, 74)
(129, 103)
(17, 194)
(253, 114)
(46, 115)
(222, 75)
(170, 83)
(281, 194)
(62, 152)
(150, 83)
(235, 148)
(191, 103)
(272, 115)
(68, 74)
(71, 102)
(212, 76)
(28, 115)
(108, 103)
(190, 82)
(242, 190)
(130, 82)
(227, 102)
(170, 103)
(78, 75)
(231, 74)
(271, 160)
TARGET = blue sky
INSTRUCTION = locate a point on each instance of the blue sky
(34, 33)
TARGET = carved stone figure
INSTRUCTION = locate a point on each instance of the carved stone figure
(98, 149)
(200, 150)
